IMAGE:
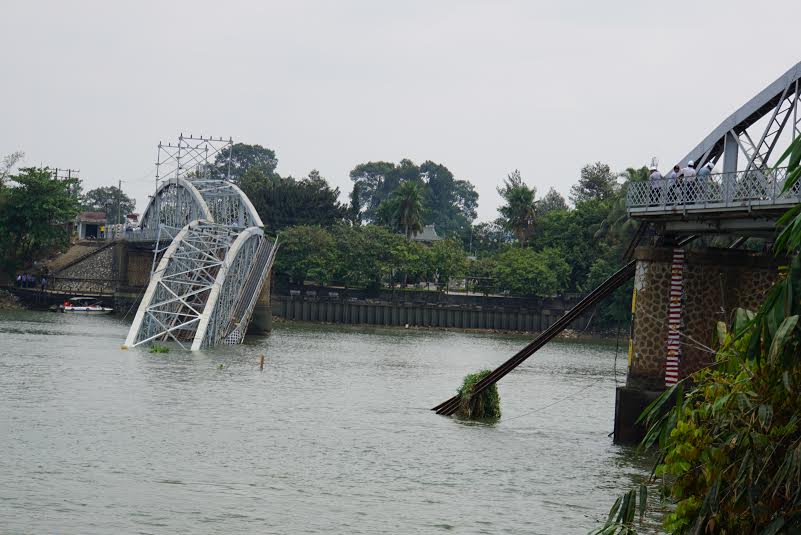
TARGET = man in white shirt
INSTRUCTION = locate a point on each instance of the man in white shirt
(657, 186)
(689, 171)
(670, 183)
(687, 185)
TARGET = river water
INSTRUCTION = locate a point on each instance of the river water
(334, 436)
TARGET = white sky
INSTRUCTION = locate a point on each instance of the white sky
(481, 86)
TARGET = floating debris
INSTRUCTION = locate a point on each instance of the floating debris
(483, 406)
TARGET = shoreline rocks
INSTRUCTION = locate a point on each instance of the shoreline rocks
(9, 301)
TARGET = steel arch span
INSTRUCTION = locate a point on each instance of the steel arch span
(175, 203)
(206, 283)
(178, 201)
(195, 294)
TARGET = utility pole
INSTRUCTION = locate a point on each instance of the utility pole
(67, 174)
(119, 202)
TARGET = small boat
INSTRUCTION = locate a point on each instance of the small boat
(85, 305)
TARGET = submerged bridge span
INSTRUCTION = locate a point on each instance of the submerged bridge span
(205, 283)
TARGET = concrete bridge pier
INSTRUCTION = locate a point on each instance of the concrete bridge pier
(262, 321)
(679, 296)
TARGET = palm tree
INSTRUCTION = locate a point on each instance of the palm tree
(407, 214)
(519, 212)
(617, 226)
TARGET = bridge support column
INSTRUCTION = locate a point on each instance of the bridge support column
(715, 282)
(120, 263)
(262, 321)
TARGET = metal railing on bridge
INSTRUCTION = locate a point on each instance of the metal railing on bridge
(754, 189)
(162, 233)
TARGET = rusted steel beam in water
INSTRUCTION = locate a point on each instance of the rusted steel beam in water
(451, 405)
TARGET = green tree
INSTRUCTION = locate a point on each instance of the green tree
(617, 228)
(490, 237)
(111, 200)
(376, 181)
(528, 273)
(519, 210)
(450, 203)
(448, 260)
(307, 253)
(284, 202)
(355, 206)
(34, 213)
(481, 274)
(406, 203)
(553, 200)
(466, 199)
(7, 165)
(597, 182)
(364, 255)
(572, 231)
(244, 157)
(408, 259)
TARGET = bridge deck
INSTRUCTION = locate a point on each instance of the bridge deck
(717, 195)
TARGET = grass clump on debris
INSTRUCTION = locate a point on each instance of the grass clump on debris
(156, 348)
(483, 406)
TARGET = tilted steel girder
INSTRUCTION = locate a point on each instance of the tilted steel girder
(200, 279)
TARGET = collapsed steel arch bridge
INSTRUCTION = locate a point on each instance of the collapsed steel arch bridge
(205, 283)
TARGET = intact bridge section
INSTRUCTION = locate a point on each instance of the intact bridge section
(681, 292)
(206, 281)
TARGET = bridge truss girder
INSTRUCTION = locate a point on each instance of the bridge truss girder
(218, 251)
(198, 281)
(175, 203)
(754, 130)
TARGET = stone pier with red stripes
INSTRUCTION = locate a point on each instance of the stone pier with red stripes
(680, 293)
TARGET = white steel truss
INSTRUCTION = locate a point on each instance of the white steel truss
(218, 260)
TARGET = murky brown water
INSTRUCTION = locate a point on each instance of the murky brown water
(334, 436)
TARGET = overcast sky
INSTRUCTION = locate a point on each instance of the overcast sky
(483, 87)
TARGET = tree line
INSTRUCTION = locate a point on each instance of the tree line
(37, 207)
(537, 246)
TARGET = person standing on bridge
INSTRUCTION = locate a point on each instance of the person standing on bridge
(671, 178)
(703, 178)
(706, 170)
(689, 171)
(657, 185)
(687, 185)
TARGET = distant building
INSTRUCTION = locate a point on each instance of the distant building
(428, 235)
(91, 225)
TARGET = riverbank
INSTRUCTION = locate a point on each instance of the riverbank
(497, 315)
(599, 337)
(9, 301)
